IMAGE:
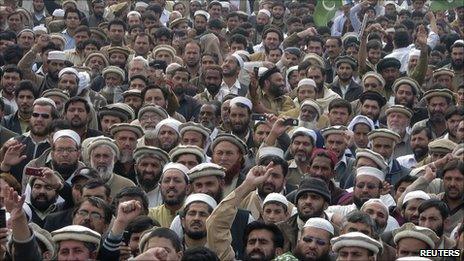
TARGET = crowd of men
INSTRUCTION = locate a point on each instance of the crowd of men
(231, 130)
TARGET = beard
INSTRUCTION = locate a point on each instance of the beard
(195, 235)
(316, 213)
(260, 27)
(312, 125)
(319, 86)
(212, 88)
(174, 201)
(437, 117)
(42, 204)
(150, 134)
(168, 146)
(276, 90)
(359, 201)
(420, 153)
(239, 128)
(65, 169)
(397, 130)
(257, 254)
(408, 104)
(439, 231)
(38, 132)
(77, 124)
(105, 172)
(178, 90)
(457, 65)
(148, 184)
(126, 156)
(298, 253)
(270, 187)
(200, 30)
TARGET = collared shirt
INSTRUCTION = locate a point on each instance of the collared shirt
(39, 16)
(13, 106)
(402, 55)
(70, 42)
(403, 147)
(295, 175)
(276, 105)
(162, 214)
(407, 161)
(154, 197)
(225, 89)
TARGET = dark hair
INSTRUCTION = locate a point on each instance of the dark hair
(8, 35)
(83, 28)
(277, 161)
(181, 69)
(324, 154)
(99, 203)
(12, 54)
(358, 216)
(77, 99)
(273, 29)
(216, 105)
(307, 19)
(154, 87)
(214, 55)
(2, 105)
(156, 8)
(162, 31)
(315, 38)
(340, 103)
(435, 203)
(12, 68)
(337, 38)
(167, 233)
(277, 236)
(71, 10)
(59, 124)
(453, 110)
(95, 183)
(199, 254)
(318, 67)
(91, 41)
(238, 38)
(116, 22)
(401, 39)
(132, 192)
(404, 12)
(25, 85)
(215, 23)
(407, 178)
(140, 224)
(452, 165)
(373, 44)
(418, 129)
(143, 34)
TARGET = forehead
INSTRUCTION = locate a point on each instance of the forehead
(260, 234)
(375, 207)
(64, 141)
(382, 140)
(225, 145)
(159, 242)
(166, 128)
(198, 206)
(312, 231)
(367, 179)
(125, 133)
(102, 150)
(172, 173)
(43, 108)
(71, 244)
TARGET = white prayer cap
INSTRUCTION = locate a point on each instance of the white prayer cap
(320, 223)
(58, 13)
(242, 100)
(39, 28)
(307, 132)
(203, 13)
(376, 201)
(307, 81)
(56, 55)
(134, 13)
(390, 30)
(170, 122)
(414, 53)
(262, 71)
(416, 194)
(67, 133)
(459, 41)
(239, 59)
(200, 197)
(176, 166)
(370, 171)
(46, 100)
(270, 151)
(265, 11)
(276, 197)
(141, 4)
(84, 81)
(355, 239)
(68, 70)
(225, 5)
(361, 119)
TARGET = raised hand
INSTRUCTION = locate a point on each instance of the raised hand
(49, 177)
(13, 155)
(386, 188)
(430, 174)
(258, 174)
(279, 127)
(13, 202)
(155, 254)
(128, 210)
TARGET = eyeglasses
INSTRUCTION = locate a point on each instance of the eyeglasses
(318, 241)
(369, 185)
(68, 150)
(92, 215)
(43, 115)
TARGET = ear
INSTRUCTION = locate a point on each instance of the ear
(279, 251)
(189, 189)
(47, 255)
(93, 255)
(179, 255)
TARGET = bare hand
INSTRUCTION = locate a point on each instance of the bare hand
(155, 253)
(430, 16)
(14, 155)
(386, 188)
(49, 177)
(128, 210)
(124, 252)
(279, 128)
(258, 174)
(430, 174)
(13, 202)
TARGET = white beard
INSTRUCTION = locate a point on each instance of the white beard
(150, 134)
(308, 124)
(126, 156)
(105, 172)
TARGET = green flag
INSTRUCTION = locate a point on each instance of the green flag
(441, 5)
(325, 11)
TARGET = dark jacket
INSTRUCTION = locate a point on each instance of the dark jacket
(11, 122)
(5, 135)
(396, 172)
(353, 92)
(189, 107)
(58, 220)
(119, 169)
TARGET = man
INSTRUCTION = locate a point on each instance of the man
(411, 203)
(346, 87)
(406, 90)
(378, 212)
(212, 77)
(167, 134)
(72, 19)
(410, 240)
(114, 77)
(389, 68)
(398, 120)
(103, 154)
(174, 185)
(18, 122)
(197, 209)
(192, 58)
(59, 96)
(9, 82)
(231, 67)
(360, 126)
(188, 106)
(275, 208)
(312, 198)
(133, 98)
(383, 141)
(457, 62)
(115, 113)
(271, 98)
(194, 134)
(432, 215)
(371, 105)
(77, 113)
(303, 141)
(142, 45)
(118, 56)
(72, 245)
(149, 162)
(126, 135)
(116, 31)
(96, 16)
(200, 20)
(444, 77)
(319, 231)
(34, 142)
(160, 242)
(336, 140)
(240, 118)
(420, 138)
(188, 155)
(453, 116)
(42, 200)
(210, 117)
(333, 48)
(438, 101)
(356, 245)
(339, 112)
(149, 116)
(324, 95)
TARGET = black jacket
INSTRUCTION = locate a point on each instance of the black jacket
(12, 123)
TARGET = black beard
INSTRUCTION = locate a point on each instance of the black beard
(213, 89)
(358, 202)
(65, 170)
(168, 147)
(195, 235)
(179, 91)
(259, 27)
(420, 153)
(305, 217)
(276, 90)
(239, 130)
(457, 66)
(439, 231)
(39, 133)
(437, 117)
(42, 205)
(174, 202)
(298, 254)
(410, 104)
(247, 256)
(320, 86)
(200, 30)
(148, 184)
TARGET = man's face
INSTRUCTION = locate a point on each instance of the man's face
(360, 131)
(226, 155)
(107, 121)
(444, 80)
(339, 116)
(344, 72)
(54, 68)
(261, 133)
(332, 48)
(460, 132)
(383, 146)
(74, 250)
(404, 95)
(401, 188)
(149, 120)
(166, 244)
(215, 12)
(274, 213)
(274, 183)
(137, 84)
(41, 118)
(168, 138)
(180, 82)
(99, 9)
(453, 181)
(452, 124)
(239, 119)
(431, 218)
(155, 97)
(81, 36)
(262, 20)
(113, 80)
(199, 24)
(91, 217)
(232, 22)
(208, 116)
(72, 20)
(321, 168)
(25, 40)
(272, 40)
(65, 152)
(374, 55)
(9, 81)
(260, 245)
(457, 58)
(38, 5)
(210, 185)
(42, 195)
(371, 109)
(305, 92)
(230, 67)
(98, 192)
(14, 22)
(337, 143)
(378, 214)
(118, 59)
(193, 138)
(357, 227)
(194, 222)
(76, 115)
(317, 76)
(315, 47)
(102, 159)
(274, 56)
(410, 247)
(116, 33)
(188, 160)
(397, 122)
(313, 244)
(372, 84)
(437, 107)
(213, 80)
(301, 148)
(354, 254)
(68, 83)
(207, 60)
(133, 20)
(141, 45)
(390, 74)
(410, 213)
(96, 64)
(173, 187)
(276, 83)
(366, 187)
(148, 171)
(25, 100)
(310, 205)
(126, 142)
(419, 144)
(192, 54)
